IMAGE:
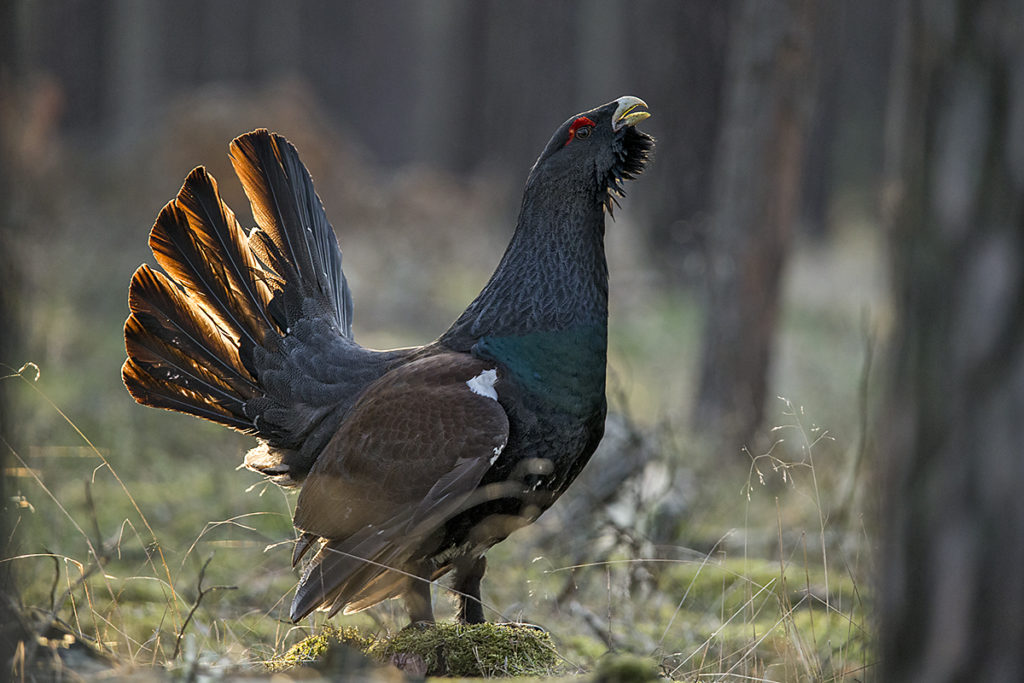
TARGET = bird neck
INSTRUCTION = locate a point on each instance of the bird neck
(544, 313)
(553, 275)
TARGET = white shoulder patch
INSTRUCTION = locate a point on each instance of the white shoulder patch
(483, 384)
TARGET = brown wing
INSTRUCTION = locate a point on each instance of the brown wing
(413, 448)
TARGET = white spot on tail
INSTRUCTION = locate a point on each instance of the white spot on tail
(497, 452)
(483, 384)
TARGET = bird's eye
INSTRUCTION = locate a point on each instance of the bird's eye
(580, 128)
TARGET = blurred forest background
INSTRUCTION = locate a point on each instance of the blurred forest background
(833, 216)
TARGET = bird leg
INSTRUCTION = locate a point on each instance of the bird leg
(417, 601)
(468, 574)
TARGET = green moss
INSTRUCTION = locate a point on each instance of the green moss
(446, 649)
(476, 649)
(313, 649)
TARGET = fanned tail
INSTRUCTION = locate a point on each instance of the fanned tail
(186, 332)
(250, 331)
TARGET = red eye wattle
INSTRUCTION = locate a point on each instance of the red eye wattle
(582, 123)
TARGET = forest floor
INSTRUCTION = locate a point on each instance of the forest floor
(133, 530)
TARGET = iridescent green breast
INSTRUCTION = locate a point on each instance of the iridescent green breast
(561, 370)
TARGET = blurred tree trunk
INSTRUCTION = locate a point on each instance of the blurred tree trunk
(756, 201)
(279, 39)
(818, 177)
(952, 594)
(513, 68)
(133, 80)
(446, 74)
(12, 630)
(225, 27)
(602, 54)
(677, 53)
(12, 627)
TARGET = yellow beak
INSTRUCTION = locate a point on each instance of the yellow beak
(629, 112)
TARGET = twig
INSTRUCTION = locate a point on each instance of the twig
(95, 520)
(600, 627)
(56, 582)
(195, 605)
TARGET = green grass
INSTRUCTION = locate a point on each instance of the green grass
(115, 546)
(113, 543)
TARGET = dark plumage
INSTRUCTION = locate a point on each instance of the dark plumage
(413, 462)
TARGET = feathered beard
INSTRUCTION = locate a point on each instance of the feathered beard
(632, 152)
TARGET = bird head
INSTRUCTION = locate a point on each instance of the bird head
(594, 151)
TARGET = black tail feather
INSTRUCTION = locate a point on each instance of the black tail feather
(200, 244)
(299, 242)
(167, 324)
(150, 385)
(178, 358)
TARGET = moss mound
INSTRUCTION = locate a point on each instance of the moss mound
(476, 649)
(444, 649)
(313, 649)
